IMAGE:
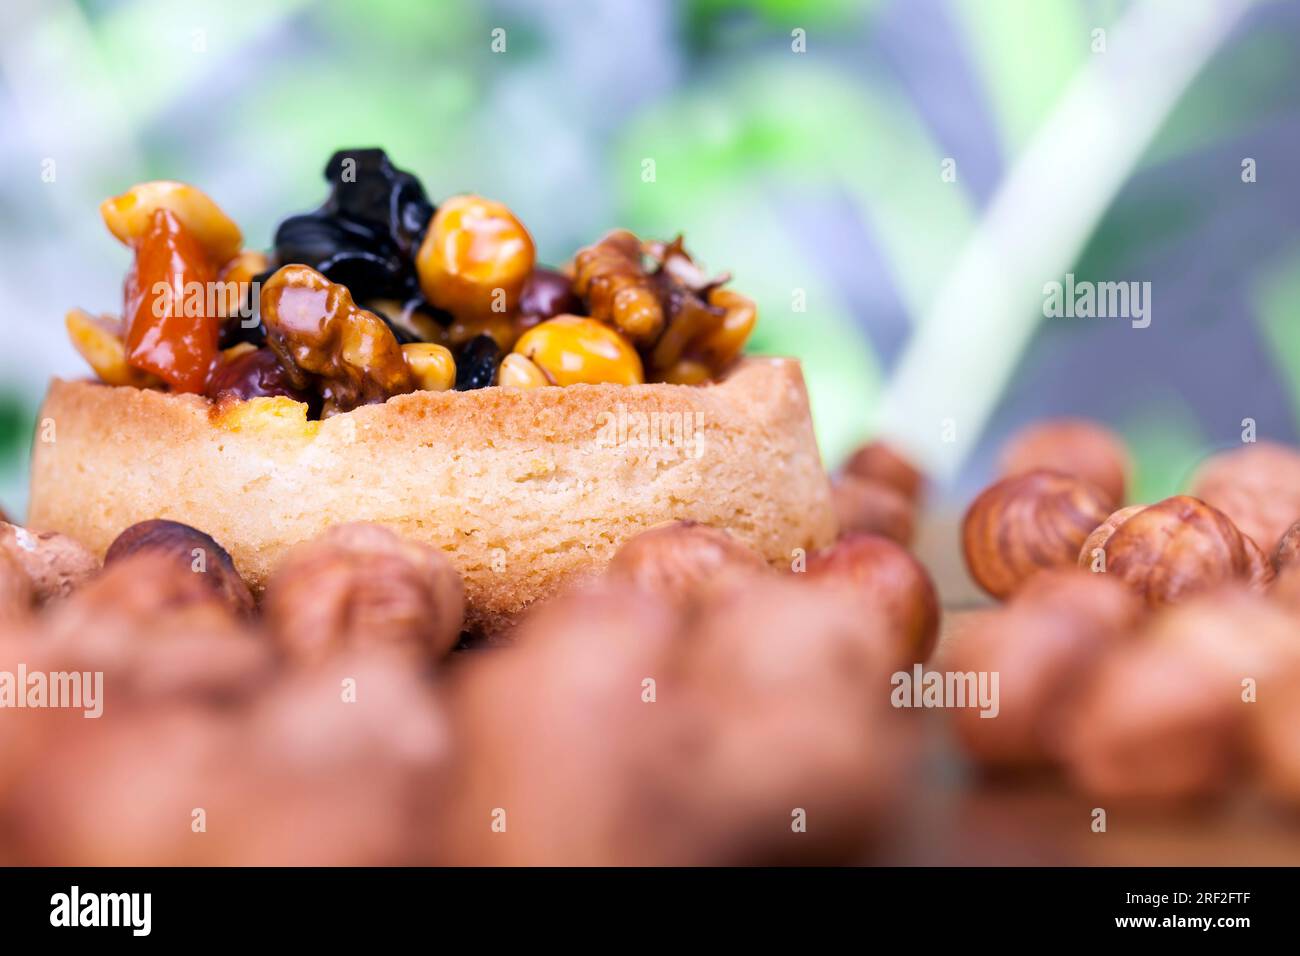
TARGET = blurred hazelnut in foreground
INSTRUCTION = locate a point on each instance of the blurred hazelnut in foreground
(55, 563)
(684, 559)
(1026, 523)
(1073, 446)
(193, 550)
(1042, 645)
(1171, 550)
(16, 592)
(863, 505)
(1257, 486)
(886, 580)
(361, 585)
(878, 461)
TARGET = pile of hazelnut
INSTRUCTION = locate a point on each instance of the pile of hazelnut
(691, 705)
(1147, 651)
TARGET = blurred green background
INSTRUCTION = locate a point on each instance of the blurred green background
(814, 174)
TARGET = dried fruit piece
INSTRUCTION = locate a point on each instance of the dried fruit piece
(475, 258)
(251, 373)
(546, 294)
(130, 216)
(324, 341)
(477, 364)
(572, 349)
(170, 332)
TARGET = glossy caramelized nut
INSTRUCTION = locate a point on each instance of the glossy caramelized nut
(169, 330)
(610, 278)
(1074, 446)
(1173, 549)
(571, 349)
(519, 372)
(432, 366)
(99, 341)
(1026, 523)
(128, 216)
(721, 347)
(318, 334)
(473, 248)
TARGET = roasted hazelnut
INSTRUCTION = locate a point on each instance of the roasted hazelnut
(887, 580)
(878, 461)
(864, 505)
(1273, 742)
(1257, 486)
(1042, 645)
(16, 593)
(361, 585)
(1285, 589)
(193, 551)
(1168, 551)
(1072, 446)
(684, 559)
(1153, 722)
(1025, 523)
(1288, 547)
(475, 257)
(55, 563)
(571, 349)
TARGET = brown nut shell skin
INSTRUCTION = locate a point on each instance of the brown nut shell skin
(1176, 548)
(1074, 446)
(1042, 645)
(878, 461)
(193, 550)
(865, 505)
(16, 592)
(684, 559)
(1288, 547)
(361, 585)
(1257, 486)
(55, 563)
(1026, 523)
(888, 580)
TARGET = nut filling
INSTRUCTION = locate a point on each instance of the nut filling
(379, 292)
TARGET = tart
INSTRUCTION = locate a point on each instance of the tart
(409, 364)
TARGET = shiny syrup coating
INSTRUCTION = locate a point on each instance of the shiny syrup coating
(169, 332)
(322, 339)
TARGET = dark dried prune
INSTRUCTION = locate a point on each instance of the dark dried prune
(476, 366)
(255, 374)
(546, 294)
(372, 190)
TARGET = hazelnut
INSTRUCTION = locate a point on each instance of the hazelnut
(1025, 523)
(157, 631)
(878, 461)
(1273, 741)
(1072, 446)
(684, 559)
(1041, 644)
(862, 504)
(886, 579)
(16, 592)
(193, 551)
(361, 585)
(1285, 590)
(55, 563)
(1257, 486)
(1173, 549)
(1153, 723)
(1288, 547)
